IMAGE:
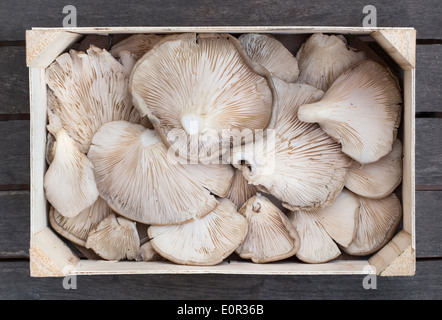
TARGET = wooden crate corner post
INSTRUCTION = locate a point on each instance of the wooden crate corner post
(49, 255)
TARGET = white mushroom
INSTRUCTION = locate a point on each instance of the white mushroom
(300, 164)
(378, 221)
(322, 58)
(378, 179)
(114, 238)
(205, 241)
(69, 182)
(270, 235)
(147, 253)
(138, 179)
(240, 190)
(76, 229)
(137, 44)
(361, 110)
(322, 229)
(195, 88)
(272, 55)
(91, 89)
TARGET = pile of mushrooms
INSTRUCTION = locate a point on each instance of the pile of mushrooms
(191, 148)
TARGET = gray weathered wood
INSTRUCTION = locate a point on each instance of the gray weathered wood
(429, 151)
(428, 223)
(16, 284)
(14, 224)
(14, 80)
(14, 152)
(428, 78)
(19, 15)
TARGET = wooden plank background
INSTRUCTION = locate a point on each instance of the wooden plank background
(18, 15)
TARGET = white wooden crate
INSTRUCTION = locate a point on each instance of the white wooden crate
(51, 257)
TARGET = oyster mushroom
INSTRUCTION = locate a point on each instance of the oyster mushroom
(272, 55)
(217, 178)
(196, 89)
(137, 45)
(139, 180)
(204, 241)
(322, 58)
(69, 182)
(270, 235)
(361, 110)
(240, 189)
(114, 238)
(91, 89)
(147, 253)
(378, 221)
(323, 229)
(378, 179)
(300, 164)
(76, 229)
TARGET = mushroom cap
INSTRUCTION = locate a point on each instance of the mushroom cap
(137, 44)
(300, 164)
(147, 253)
(272, 55)
(205, 241)
(322, 229)
(76, 229)
(340, 219)
(91, 89)
(240, 189)
(316, 245)
(322, 58)
(114, 238)
(139, 180)
(217, 178)
(270, 235)
(69, 182)
(194, 88)
(378, 179)
(378, 221)
(361, 110)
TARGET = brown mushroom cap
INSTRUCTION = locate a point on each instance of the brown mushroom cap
(205, 241)
(378, 179)
(361, 110)
(272, 55)
(270, 235)
(138, 179)
(194, 88)
(114, 238)
(378, 221)
(322, 58)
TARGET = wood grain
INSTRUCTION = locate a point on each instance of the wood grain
(16, 284)
(14, 80)
(14, 152)
(15, 224)
(428, 78)
(19, 15)
(428, 224)
(428, 151)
